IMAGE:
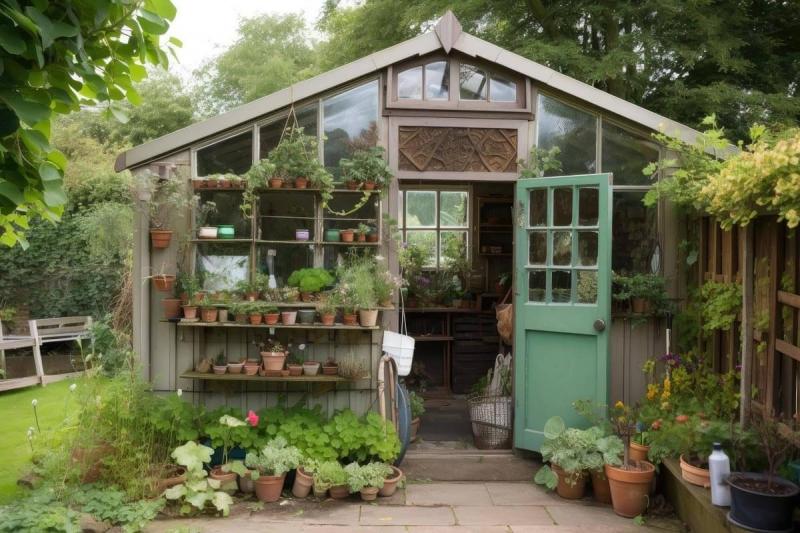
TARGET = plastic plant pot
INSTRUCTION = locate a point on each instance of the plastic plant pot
(226, 232)
(306, 316)
(302, 234)
(332, 235)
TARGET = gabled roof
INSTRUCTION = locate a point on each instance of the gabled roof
(447, 36)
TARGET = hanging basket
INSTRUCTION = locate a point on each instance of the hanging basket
(491, 418)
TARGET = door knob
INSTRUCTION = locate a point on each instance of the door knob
(599, 324)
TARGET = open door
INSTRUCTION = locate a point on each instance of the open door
(562, 304)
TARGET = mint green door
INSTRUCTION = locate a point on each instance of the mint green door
(562, 306)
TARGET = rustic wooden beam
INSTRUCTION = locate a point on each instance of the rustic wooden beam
(748, 362)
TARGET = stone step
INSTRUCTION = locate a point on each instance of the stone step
(468, 465)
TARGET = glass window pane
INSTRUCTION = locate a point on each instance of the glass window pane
(634, 233)
(588, 206)
(626, 154)
(226, 211)
(562, 206)
(454, 241)
(537, 248)
(562, 286)
(270, 134)
(453, 209)
(220, 266)
(537, 285)
(426, 240)
(502, 89)
(420, 209)
(351, 123)
(562, 248)
(233, 155)
(282, 213)
(472, 82)
(286, 259)
(409, 84)
(587, 286)
(587, 248)
(437, 80)
(538, 207)
(572, 130)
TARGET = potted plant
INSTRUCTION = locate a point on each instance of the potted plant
(311, 368)
(306, 316)
(208, 310)
(629, 482)
(363, 231)
(289, 294)
(248, 289)
(330, 367)
(417, 410)
(251, 367)
(270, 466)
(257, 177)
(205, 211)
(640, 446)
(372, 234)
(220, 363)
(163, 282)
(296, 157)
(391, 482)
(255, 312)
(190, 286)
(223, 436)
(645, 293)
(367, 479)
(332, 235)
(198, 491)
(162, 198)
(303, 478)
(367, 169)
(271, 315)
(765, 502)
(294, 365)
(246, 483)
(347, 235)
(273, 355)
(236, 368)
(288, 317)
(330, 475)
(357, 288)
(239, 311)
(567, 450)
(327, 313)
(310, 281)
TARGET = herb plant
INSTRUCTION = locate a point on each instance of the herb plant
(275, 458)
(369, 475)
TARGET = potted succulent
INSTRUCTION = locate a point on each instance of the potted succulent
(417, 410)
(568, 452)
(310, 281)
(288, 317)
(162, 198)
(271, 315)
(205, 211)
(330, 367)
(765, 502)
(270, 466)
(330, 475)
(273, 354)
(220, 363)
(367, 479)
(367, 169)
(208, 310)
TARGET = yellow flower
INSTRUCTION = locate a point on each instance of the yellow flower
(652, 391)
(667, 387)
(619, 405)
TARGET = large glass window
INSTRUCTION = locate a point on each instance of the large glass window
(433, 78)
(270, 134)
(351, 122)
(409, 84)
(573, 131)
(626, 154)
(472, 82)
(633, 238)
(434, 218)
(234, 155)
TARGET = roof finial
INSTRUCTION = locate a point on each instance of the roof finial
(448, 29)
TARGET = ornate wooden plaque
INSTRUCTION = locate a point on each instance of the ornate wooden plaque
(426, 149)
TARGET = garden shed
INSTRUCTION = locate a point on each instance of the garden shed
(457, 118)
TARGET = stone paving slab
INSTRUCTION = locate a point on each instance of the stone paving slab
(389, 515)
(447, 494)
(524, 494)
(490, 515)
(457, 529)
(588, 515)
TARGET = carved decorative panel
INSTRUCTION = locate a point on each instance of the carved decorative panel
(426, 148)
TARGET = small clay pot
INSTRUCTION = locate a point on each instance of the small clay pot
(368, 185)
(172, 307)
(160, 238)
(220, 369)
(271, 318)
(288, 318)
(251, 368)
(330, 370)
(255, 318)
(208, 314)
(351, 185)
(302, 483)
(369, 494)
(235, 368)
(339, 492)
(300, 183)
(565, 489)
(276, 183)
(295, 370)
(347, 235)
(311, 368)
(164, 282)
(227, 479)
(350, 319)
(268, 488)
(190, 312)
(327, 319)
(391, 482)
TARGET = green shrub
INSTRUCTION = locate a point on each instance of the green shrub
(310, 279)
(368, 475)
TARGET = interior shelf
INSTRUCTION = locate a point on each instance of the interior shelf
(235, 325)
(208, 376)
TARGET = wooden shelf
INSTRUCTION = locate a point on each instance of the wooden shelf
(208, 376)
(444, 310)
(290, 305)
(316, 243)
(309, 189)
(433, 338)
(234, 325)
(224, 241)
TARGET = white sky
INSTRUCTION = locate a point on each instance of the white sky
(208, 26)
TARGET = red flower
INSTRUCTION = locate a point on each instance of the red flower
(252, 418)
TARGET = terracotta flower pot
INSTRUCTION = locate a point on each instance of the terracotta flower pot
(347, 235)
(246, 483)
(227, 479)
(271, 318)
(640, 305)
(638, 452)
(190, 312)
(164, 282)
(390, 483)
(276, 183)
(302, 484)
(273, 361)
(171, 476)
(240, 319)
(327, 319)
(288, 318)
(351, 185)
(600, 486)
(367, 317)
(172, 307)
(255, 318)
(300, 183)
(330, 370)
(369, 494)
(350, 319)
(268, 488)
(372, 237)
(311, 368)
(339, 491)
(414, 428)
(251, 369)
(630, 489)
(235, 368)
(295, 370)
(208, 314)
(567, 490)
(160, 238)
(220, 369)
(695, 475)
(368, 185)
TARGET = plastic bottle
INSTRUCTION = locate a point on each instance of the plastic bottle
(719, 467)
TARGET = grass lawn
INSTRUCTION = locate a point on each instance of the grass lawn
(16, 416)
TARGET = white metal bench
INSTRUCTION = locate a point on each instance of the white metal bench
(42, 331)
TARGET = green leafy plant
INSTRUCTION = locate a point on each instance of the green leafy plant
(368, 475)
(162, 197)
(417, 404)
(310, 279)
(329, 474)
(198, 492)
(649, 287)
(275, 458)
(257, 177)
(540, 162)
(205, 210)
(367, 166)
(356, 285)
(721, 305)
(41, 511)
(109, 504)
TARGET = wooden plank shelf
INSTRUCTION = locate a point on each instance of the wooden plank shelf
(316, 243)
(208, 376)
(288, 305)
(234, 325)
(433, 338)
(224, 241)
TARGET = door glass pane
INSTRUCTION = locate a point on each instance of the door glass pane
(472, 82)
(437, 80)
(626, 154)
(562, 248)
(234, 155)
(420, 209)
(588, 206)
(562, 286)
(587, 248)
(633, 235)
(502, 90)
(537, 285)
(351, 123)
(587, 286)
(537, 252)
(451, 244)
(409, 84)
(427, 241)
(562, 206)
(572, 130)
(453, 209)
(538, 207)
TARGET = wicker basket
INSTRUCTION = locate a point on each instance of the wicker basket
(491, 421)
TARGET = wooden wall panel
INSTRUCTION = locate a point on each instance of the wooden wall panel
(632, 344)
(457, 149)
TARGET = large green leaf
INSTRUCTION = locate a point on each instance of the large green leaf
(28, 110)
(554, 427)
(12, 192)
(163, 8)
(50, 29)
(10, 41)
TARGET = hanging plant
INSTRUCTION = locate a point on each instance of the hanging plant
(256, 178)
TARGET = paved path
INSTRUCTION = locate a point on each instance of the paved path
(426, 508)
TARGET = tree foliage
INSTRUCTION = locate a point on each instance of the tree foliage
(56, 56)
(271, 52)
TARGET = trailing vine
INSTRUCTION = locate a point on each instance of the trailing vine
(721, 305)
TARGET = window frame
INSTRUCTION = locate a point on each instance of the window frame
(438, 229)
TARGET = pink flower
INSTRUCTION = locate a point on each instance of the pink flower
(252, 418)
